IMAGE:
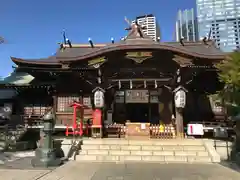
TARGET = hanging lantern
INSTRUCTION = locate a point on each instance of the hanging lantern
(119, 85)
(99, 99)
(180, 97)
(131, 85)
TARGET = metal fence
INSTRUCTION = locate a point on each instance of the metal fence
(163, 131)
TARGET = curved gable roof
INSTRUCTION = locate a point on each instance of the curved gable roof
(80, 52)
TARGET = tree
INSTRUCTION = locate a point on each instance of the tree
(229, 73)
(1, 40)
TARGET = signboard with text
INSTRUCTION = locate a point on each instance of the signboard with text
(195, 129)
(137, 96)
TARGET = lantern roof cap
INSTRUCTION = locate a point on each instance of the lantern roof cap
(98, 89)
(180, 88)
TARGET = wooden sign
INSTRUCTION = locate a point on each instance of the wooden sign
(138, 130)
(96, 63)
(137, 96)
(139, 57)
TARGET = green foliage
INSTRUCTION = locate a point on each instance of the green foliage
(230, 75)
(230, 69)
(1, 40)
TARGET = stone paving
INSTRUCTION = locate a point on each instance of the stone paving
(131, 171)
(17, 174)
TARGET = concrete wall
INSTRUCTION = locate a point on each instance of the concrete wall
(223, 148)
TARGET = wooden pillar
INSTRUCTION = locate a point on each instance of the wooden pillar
(54, 107)
(179, 123)
(149, 108)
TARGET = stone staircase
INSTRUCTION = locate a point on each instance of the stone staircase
(171, 150)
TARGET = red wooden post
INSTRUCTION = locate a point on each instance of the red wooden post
(75, 125)
(67, 131)
(74, 116)
(81, 121)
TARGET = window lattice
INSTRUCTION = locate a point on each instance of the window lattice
(64, 102)
(35, 109)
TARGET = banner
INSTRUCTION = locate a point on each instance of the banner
(97, 117)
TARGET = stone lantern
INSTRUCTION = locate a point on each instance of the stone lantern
(45, 155)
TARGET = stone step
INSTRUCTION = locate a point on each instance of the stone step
(143, 153)
(150, 142)
(119, 150)
(143, 147)
(132, 158)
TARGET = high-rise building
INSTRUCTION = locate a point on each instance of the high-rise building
(222, 19)
(186, 25)
(151, 26)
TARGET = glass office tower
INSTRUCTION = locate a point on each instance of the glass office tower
(222, 19)
(186, 25)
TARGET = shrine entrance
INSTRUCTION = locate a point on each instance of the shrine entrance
(137, 112)
(143, 112)
(138, 105)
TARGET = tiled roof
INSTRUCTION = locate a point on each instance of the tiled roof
(83, 51)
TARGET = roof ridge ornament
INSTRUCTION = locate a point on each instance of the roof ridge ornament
(65, 42)
(182, 41)
(135, 29)
(208, 39)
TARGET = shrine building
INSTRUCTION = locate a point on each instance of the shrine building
(138, 78)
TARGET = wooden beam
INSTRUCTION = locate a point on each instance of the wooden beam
(54, 69)
(182, 61)
(179, 123)
(140, 79)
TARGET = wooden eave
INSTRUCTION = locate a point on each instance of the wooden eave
(103, 49)
(46, 61)
(116, 47)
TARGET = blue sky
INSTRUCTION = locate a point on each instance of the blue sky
(33, 28)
